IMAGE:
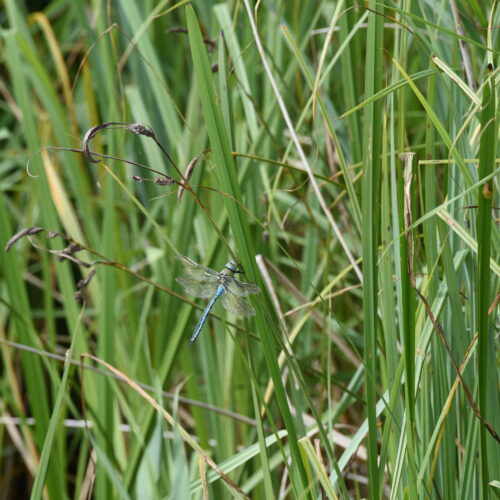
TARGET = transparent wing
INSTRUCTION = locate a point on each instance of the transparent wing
(195, 270)
(241, 289)
(236, 305)
(202, 288)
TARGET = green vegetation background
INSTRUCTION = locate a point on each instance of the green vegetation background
(379, 272)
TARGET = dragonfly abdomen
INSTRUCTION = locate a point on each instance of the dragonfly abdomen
(207, 310)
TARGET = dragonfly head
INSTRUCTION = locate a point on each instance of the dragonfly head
(232, 267)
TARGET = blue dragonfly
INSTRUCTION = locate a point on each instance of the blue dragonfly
(205, 283)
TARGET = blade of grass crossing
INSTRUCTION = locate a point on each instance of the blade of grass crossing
(407, 259)
(131, 13)
(221, 11)
(488, 388)
(309, 453)
(237, 218)
(370, 218)
(440, 128)
(107, 277)
(430, 181)
(264, 459)
(350, 85)
(329, 124)
(408, 310)
(429, 229)
(388, 314)
(55, 420)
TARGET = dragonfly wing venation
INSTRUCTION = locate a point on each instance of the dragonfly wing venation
(203, 288)
(236, 305)
(195, 270)
(241, 289)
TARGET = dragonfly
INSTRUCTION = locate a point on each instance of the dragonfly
(204, 282)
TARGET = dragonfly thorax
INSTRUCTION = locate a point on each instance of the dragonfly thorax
(231, 266)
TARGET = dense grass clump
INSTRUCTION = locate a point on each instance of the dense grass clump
(344, 155)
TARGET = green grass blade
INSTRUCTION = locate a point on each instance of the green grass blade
(489, 401)
(370, 231)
